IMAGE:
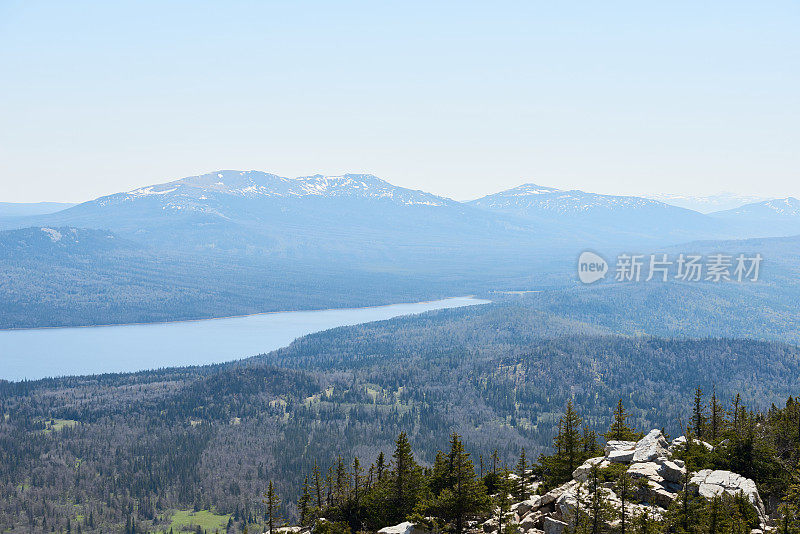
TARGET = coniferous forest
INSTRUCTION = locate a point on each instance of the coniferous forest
(160, 450)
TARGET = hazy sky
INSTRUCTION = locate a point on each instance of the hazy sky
(457, 98)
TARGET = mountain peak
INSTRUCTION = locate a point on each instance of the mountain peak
(529, 188)
(785, 208)
(197, 192)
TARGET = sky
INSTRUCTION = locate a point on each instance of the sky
(460, 99)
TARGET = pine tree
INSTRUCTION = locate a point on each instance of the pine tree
(717, 419)
(570, 439)
(357, 479)
(465, 497)
(380, 466)
(522, 471)
(272, 503)
(406, 479)
(623, 489)
(303, 504)
(502, 501)
(342, 487)
(317, 484)
(558, 468)
(698, 414)
(598, 513)
(619, 429)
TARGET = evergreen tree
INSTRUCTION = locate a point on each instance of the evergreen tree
(557, 468)
(406, 480)
(465, 497)
(624, 490)
(317, 477)
(272, 503)
(503, 502)
(303, 505)
(522, 472)
(380, 466)
(716, 419)
(619, 429)
(698, 414)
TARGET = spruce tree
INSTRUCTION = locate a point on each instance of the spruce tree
(619, 429)
(272, 503)
(502, 502)
(698, 414)
(406, 480)
(522, 472)
(304, 503)
(317, 477)
(466, 497)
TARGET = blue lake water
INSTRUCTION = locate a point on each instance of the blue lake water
(40, 353)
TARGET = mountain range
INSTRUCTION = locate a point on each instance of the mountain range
(322, 236)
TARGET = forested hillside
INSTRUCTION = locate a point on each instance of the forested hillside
(143, 445)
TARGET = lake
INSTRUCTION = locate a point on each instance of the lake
(40, 353)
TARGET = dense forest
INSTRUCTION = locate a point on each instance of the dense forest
(143, 447)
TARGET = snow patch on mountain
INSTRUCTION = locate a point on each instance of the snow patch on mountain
(189, 193)
(531, 197)
(53, 234)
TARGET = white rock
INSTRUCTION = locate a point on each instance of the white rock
(555, 493)
(614, 446)
(672, 470)
(712, 483)
(403, 528)
(582, 472)
(681, 442)
(522, 508)
(650, 447)
(553, 526)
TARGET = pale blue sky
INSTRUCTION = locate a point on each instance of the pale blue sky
(457, 98)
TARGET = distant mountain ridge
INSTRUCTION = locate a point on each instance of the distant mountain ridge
(527, 197)
(231, 242)
(707, 204)
(788, 207)
(258, 184)
(23, 209)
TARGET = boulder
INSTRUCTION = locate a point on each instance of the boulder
(522, 508)
(620, 452)
(555, 493)
(614, 445)
(403, 528)
(648, 470)
(681, 442)
(710, 483)
(652, 446)
(658, 490)
(657, 494)
(672, 470)
(532, 521)
(553, 526)
(581, 474)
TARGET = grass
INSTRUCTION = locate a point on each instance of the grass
(54, 425)
(187, 521)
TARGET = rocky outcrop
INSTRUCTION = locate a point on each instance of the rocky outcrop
(659, 476)
(710, 484)
(620, 451)
(653, 445)
(659, 480)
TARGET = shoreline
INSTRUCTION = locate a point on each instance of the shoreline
(240, 316)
